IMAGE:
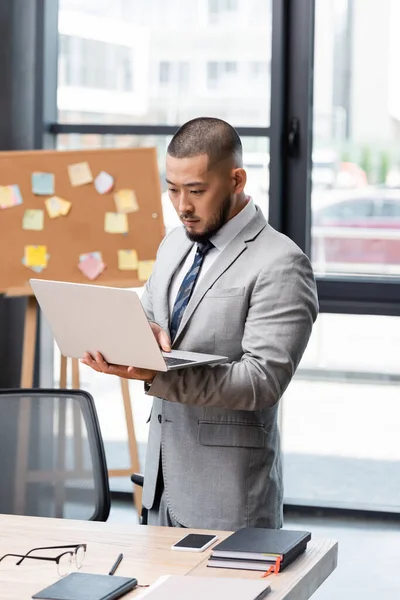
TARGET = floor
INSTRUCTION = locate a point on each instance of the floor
(369, 566)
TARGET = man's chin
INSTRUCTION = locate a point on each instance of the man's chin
(196, 236)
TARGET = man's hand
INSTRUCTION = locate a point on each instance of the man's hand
(97, 362)
(162, 337)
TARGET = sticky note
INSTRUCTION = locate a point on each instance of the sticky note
(145, 269)
(35, 256)
(42, 184)
(127, 260)
(57, 207)
(16, 194)
(115, 223)
(65, 206)
(91, 264)
(36, 269)
(104, 182)
(125, 201)
(6, 196)
(53, 206)
(96, 255)
(10, 195)
(33, 220)
(80, 174)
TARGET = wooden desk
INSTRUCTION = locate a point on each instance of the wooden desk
(147, 556)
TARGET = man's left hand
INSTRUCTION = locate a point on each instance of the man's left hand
(98, 363)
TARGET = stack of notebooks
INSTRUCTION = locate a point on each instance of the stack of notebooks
(257, 549)
(186, 587)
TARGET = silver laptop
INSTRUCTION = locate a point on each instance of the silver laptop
(92, 318)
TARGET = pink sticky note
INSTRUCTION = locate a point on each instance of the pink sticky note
(91, 267)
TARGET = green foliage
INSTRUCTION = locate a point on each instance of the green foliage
(366, 162)
(345, 155)
(384, 166)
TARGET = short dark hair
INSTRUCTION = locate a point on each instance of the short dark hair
(207, 135)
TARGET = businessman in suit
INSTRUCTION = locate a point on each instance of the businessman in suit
(225, 283)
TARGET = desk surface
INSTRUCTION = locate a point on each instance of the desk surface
(147, 556)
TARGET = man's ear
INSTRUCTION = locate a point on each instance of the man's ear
(239, 180)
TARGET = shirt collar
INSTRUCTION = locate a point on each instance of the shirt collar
(232, 227)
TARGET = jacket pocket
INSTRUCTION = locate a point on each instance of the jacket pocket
(225, 292)
(236, 435)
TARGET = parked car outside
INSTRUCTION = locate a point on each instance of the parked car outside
(361, 232)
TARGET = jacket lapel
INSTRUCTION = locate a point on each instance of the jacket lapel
(222, 263)
(165, 276)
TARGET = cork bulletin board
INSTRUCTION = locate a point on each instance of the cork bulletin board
(82, 230)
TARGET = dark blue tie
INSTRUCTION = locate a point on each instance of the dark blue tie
(187, 286)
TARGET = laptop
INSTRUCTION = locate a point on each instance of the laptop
(92, 318)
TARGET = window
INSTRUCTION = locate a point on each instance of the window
(259, 69)
(220, 74)
(175, 75)
(93, 64)
(165, 72)
(229, 67)
(184, 75)
(220, 10)
(351, 362)
(340, 416)
(129, 43)
(356, 136)
(212, 74)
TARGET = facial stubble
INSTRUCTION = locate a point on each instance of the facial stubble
(213, 227)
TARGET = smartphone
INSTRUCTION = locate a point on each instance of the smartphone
(195, 542)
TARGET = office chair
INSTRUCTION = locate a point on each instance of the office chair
(138, 479)
(52, 460)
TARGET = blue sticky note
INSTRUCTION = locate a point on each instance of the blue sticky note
(43, 184)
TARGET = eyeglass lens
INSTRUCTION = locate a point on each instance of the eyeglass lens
(79, 556)
(64, 564)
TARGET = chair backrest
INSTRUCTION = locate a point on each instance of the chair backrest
(52, 459)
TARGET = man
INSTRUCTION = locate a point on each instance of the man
(226, 283)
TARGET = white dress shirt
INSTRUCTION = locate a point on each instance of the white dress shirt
(220, 241)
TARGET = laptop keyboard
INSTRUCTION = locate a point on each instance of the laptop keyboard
(171, 362)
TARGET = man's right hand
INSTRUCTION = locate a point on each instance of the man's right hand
(161, 336)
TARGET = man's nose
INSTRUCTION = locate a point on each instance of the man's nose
(185, 205)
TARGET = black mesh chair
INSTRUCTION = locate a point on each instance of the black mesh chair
(52, 460)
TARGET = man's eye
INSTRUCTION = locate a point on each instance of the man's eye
(172, 190)
(197, 192)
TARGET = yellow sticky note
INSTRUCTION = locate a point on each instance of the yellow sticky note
(125, 201)
(36, 256)
(127, 260)
(115, 223)
(33, 220)
(53, 206)
(65, 206)
(145, 269)
(57, 206)
(80, 174)
(6, 196)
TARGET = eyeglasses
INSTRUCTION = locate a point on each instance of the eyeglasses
(64, 560)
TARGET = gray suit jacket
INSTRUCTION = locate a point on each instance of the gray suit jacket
(216, 426)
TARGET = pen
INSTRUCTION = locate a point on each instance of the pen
(115, 565)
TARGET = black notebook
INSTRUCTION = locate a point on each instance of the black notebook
(260, 546)
(87, 586)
